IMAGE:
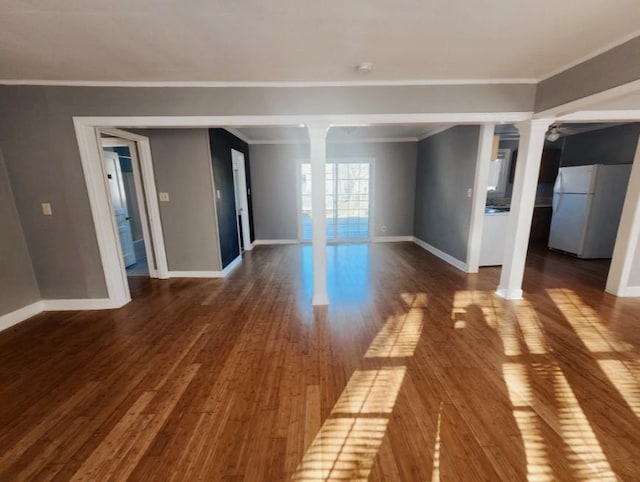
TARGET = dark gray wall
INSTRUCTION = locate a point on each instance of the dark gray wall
(182, 166)
(18, 286)
(610, 69)
(614, 145)
(220, 143)
(274, 174)
(445, 170)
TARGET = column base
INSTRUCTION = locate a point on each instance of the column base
(320, 300)
(509, 294)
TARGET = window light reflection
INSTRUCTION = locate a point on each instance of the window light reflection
(344, 449)
(586, 322)
(398, 337)
(370, 391)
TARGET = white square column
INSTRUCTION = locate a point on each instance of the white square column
(317, 152)
(522, 203)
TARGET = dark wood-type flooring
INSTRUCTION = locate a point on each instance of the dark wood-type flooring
(415, 371)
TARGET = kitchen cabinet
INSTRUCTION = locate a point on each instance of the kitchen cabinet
(540, 225)
(549, 165)
(494, 232)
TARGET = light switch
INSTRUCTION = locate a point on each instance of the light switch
(218, 193)
(46, 209)
(164, 197)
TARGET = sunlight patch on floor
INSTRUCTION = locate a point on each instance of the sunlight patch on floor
(586, 322)
(622, 378)
(370, 391)
(584, 452)
(398, 337)
(344, 449)
(529, 424)
(531, 329)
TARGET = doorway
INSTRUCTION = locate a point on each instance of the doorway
(242, 202)
(128, 174)
(348, 200)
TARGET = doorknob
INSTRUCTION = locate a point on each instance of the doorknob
(127, 218)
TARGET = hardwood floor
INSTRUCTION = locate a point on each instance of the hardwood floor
(415, 371)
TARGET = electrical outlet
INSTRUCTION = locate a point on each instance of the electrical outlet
(383, 228)
(469, 192)
(164, 197)
(218, 193)
(46, 209)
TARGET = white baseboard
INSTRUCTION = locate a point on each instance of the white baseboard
(629, 292)
(320, 300)
(251, 246)
(267, 242)
(441, 254)
(80, 304)
(21, 314)
(392, 239)
(33, 309)
(231, 266)
(196, 274)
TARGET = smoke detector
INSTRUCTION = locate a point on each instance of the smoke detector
(364, 67)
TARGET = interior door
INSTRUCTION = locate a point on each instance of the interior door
(119, 203)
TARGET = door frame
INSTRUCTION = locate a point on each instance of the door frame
(151, 249)
(86, 129)
(239, 157)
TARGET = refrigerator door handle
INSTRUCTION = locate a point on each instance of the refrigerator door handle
(555, 201)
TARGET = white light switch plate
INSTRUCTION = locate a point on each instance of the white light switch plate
(46, 209)
(164, 197)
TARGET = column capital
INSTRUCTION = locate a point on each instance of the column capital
(534, 124)
(318, 128)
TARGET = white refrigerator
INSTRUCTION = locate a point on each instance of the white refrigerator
(587, 204)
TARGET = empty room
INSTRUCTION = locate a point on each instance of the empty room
(267, 241)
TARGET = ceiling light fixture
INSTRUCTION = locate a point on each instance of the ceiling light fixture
(553, 134)
(364, 67)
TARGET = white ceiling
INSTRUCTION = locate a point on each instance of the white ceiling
(302, 41)
(284, 134)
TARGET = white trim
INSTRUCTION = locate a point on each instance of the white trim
(268, 84)
(441, 254)
(14, 317)
(252, 245)
(392, 239)
(271, 242)
(287, 120)
(434, 132)
(196, 274)
(479, 200)
(564, 110)
(231, 266)
(628, 235)
(107, 237)
(80, 304)
(591, 55)
(630, 292)
(146, 191)
(370, 140)
(239, 162)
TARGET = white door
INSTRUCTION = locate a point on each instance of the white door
(568, 222)
(119, 203)
(241, 197)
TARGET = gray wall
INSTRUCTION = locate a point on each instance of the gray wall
(182, 166)
(445, 170)
(41, 152)
(274, 177)
(610, 69)
(18, 286)
(614, 145)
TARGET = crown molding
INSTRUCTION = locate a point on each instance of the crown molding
(265, 84)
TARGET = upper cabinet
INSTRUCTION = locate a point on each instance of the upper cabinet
(549, 165)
